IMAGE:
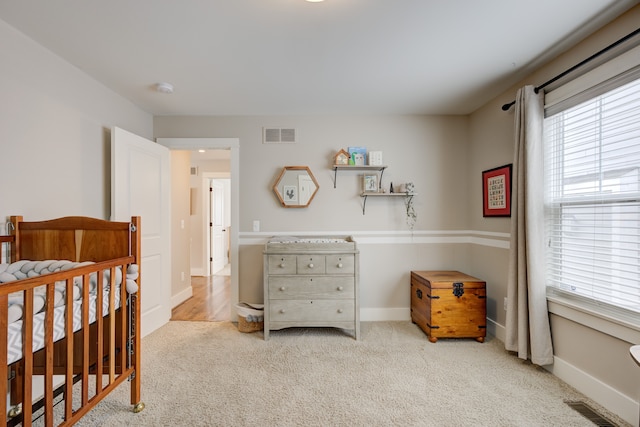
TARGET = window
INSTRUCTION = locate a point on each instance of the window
(592, 197)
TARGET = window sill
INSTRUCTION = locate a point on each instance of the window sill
(617, 324)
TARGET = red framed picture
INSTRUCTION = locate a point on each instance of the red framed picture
(496, 191)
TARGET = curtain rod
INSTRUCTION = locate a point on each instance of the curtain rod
(506, 107)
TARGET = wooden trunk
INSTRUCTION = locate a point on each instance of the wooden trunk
(448, 304)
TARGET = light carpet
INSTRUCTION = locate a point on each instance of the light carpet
(209, 374)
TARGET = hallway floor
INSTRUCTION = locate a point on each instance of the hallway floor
(210, 300)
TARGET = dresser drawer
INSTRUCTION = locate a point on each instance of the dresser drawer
(311, 282)
(310, 264)
(340, 264)
(282, 264)
(291, 287)
(311, 310)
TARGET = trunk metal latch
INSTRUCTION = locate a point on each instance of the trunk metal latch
(458, 289)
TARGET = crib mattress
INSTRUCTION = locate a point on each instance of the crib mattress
(25, 268)
(14, 337)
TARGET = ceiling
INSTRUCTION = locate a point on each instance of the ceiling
(281, 57)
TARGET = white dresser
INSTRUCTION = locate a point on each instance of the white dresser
(311, 282)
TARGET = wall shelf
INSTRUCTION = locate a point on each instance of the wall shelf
(336, 168)
(366, 194)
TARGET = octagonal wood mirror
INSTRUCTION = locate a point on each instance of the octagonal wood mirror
(295, 187)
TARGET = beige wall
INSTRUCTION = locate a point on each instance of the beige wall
(55, 138)
(430, 151)
(595, 362)
(197, 218)
(180, 224)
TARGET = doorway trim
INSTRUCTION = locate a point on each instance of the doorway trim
(232, 144)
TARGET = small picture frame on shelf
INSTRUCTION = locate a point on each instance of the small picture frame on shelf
(370, 183)
(358, 155)
(341, 158)
(375, 158)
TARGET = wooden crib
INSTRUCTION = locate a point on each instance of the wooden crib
(98, 349)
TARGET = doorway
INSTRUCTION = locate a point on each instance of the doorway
(210, 228)
(219, 226)
(207, 280)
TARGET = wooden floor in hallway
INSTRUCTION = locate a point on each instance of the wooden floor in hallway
(210, 300)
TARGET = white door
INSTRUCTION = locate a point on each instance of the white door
(217, 225)
(140, 186)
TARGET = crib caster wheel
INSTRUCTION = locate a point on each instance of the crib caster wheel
(138, 407)
(15, 411)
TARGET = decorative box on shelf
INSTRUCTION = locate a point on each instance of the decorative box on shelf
(375, 158)
(449, 304)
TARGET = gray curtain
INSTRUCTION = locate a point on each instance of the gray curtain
(527, 326)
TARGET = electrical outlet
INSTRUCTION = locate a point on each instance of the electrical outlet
(182, 276)
(256, 225)
(505, 303)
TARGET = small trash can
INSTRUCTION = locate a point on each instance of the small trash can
(250, 317)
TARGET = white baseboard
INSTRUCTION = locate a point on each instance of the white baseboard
(198, 272)
(153, 319)
(496, 329)
(616, 402)
(181, 297)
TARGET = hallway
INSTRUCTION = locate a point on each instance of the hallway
(210, 300)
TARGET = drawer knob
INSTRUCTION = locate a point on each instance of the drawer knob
(339, 265)
(282, 310)
(282, 265)
(310, 265)
(282, 288)
(340, 288)
(339, 310)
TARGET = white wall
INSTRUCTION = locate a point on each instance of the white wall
(55, 138)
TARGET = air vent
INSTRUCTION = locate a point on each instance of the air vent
(194, 170)
(272, 135)
(590, 414)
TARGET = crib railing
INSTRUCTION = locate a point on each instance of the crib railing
(96, 349)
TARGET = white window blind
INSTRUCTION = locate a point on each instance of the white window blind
(592, 198)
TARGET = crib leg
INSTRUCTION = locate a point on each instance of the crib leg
(134, 352)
